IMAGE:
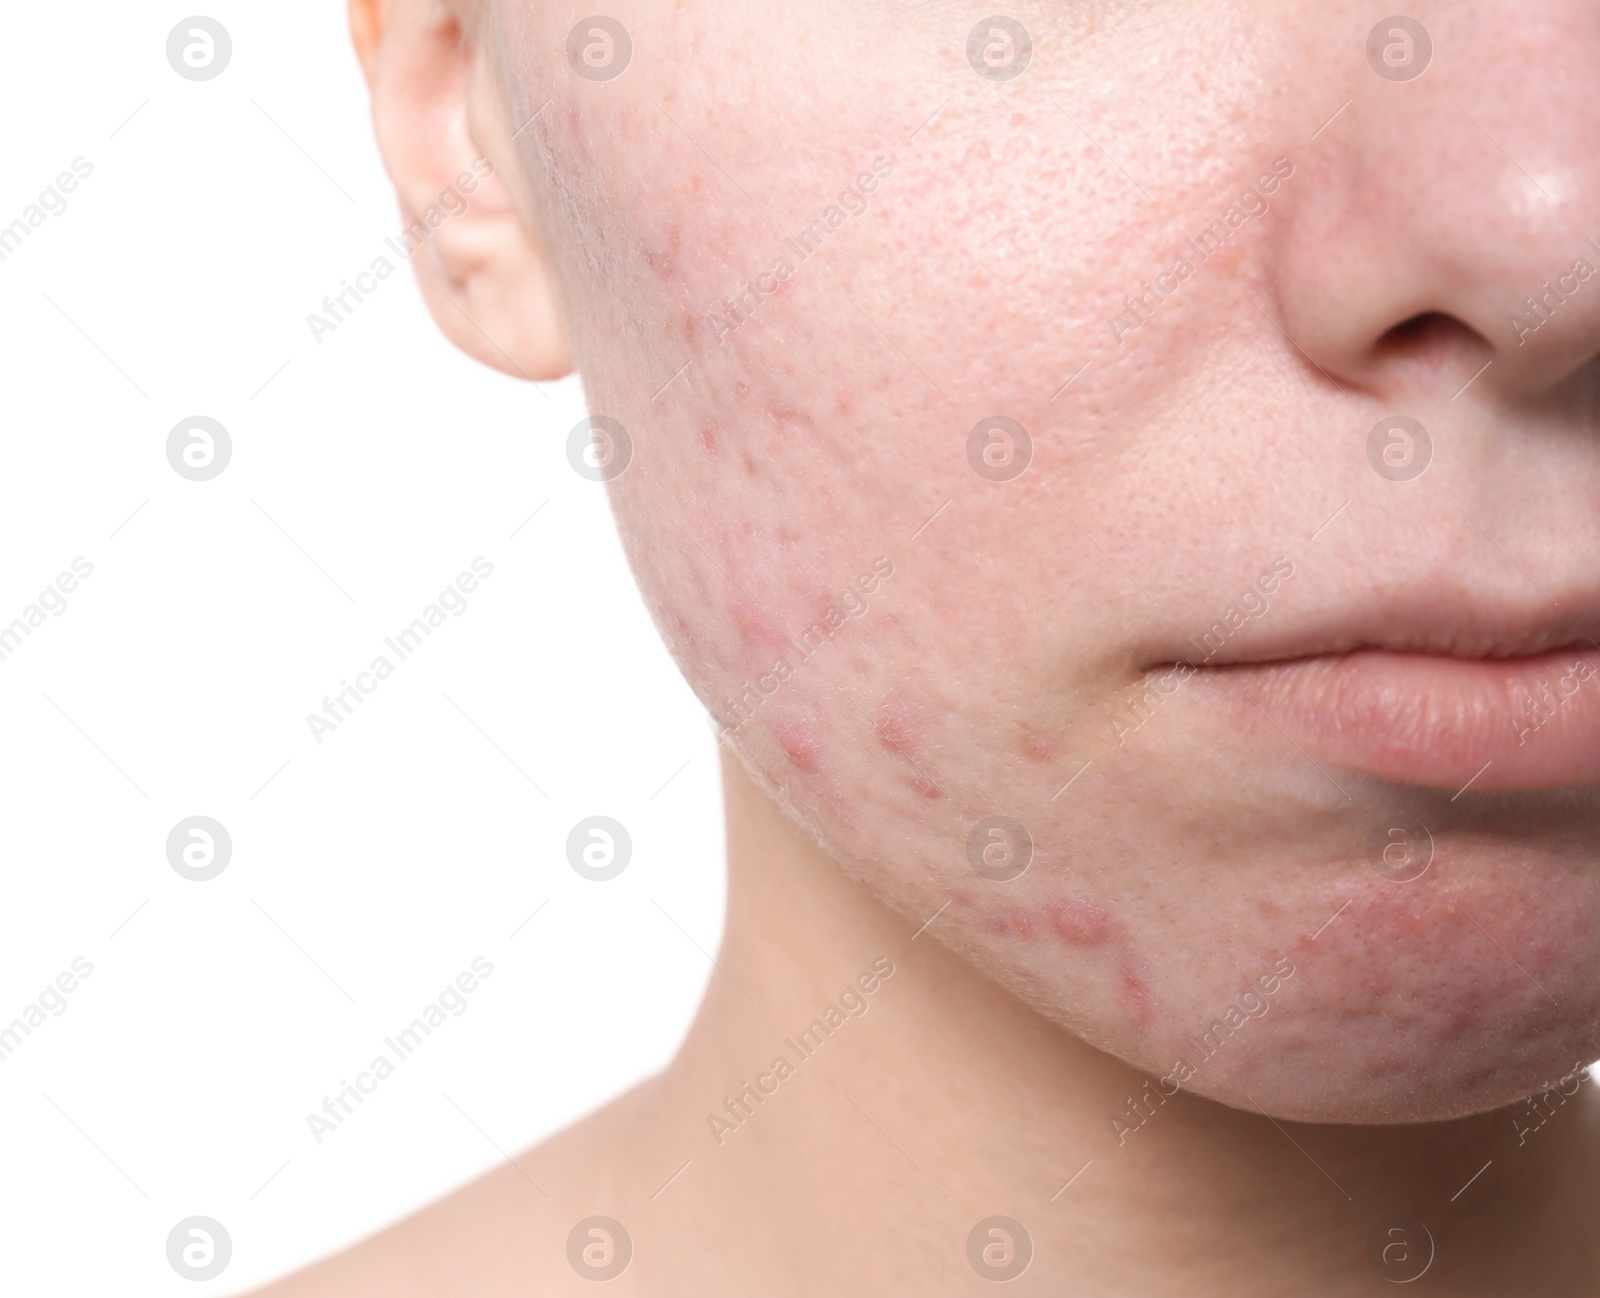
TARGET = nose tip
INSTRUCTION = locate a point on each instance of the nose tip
(1450, 222)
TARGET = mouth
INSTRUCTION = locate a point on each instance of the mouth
(1468, 701)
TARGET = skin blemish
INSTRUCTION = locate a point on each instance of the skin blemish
(799, 744)
(755, 627)
(896, 727)
(708, 439)
(1080, 921)
(1036, 745)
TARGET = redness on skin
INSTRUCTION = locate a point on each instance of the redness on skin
(798, 743)
(708, 438)
(899, 730)
(1079, 922)
(1450, 965)
(755, 627)
(1037, 745)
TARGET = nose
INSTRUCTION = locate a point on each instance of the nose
(1451, 219)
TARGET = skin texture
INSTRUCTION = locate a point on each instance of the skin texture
(1195, 452)
(1207, 906)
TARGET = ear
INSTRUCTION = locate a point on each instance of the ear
(443, 134)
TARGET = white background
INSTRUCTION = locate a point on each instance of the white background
(369, 870)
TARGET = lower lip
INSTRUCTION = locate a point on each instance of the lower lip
(1444, 723)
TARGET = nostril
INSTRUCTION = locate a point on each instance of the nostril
(1429, 337)
(1429, 331)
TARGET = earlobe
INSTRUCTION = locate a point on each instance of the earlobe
(447, 147)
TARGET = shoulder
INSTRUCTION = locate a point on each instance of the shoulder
(504, 1234)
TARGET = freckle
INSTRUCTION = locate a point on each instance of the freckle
(799, 745)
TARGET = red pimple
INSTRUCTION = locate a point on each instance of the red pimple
(1037, 745)
(799, 745)
(1078, 921)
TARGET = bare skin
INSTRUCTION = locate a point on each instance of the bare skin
(1215, 1033)
(950, 1101)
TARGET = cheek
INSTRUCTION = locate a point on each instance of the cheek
(798, 743)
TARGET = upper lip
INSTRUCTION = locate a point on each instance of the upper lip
(1434, 625)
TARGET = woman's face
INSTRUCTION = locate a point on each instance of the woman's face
(1072, 428)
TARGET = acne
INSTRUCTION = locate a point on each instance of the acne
(1081, 922)
(798, 742)
(1036, 745)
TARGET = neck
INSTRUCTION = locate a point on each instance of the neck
(910, 1105)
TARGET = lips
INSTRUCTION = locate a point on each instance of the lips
(1442, 722)
(1449, 695)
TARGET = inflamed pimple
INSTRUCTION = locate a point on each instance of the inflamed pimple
(799, 744)
(1037, 745)
(1079, 921)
